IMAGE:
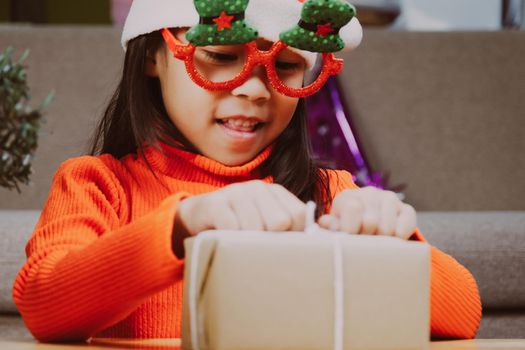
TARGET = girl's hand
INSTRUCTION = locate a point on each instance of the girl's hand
(371, 211)
(252, 205)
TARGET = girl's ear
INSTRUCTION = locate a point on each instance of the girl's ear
(151, 67)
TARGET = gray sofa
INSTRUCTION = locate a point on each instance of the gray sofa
(442, 113)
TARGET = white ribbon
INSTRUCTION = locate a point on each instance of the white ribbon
(311, 227)
(338, 293)
(193, 291)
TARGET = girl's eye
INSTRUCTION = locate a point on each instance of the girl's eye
(219, 57)
(287, 66)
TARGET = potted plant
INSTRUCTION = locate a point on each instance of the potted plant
(19, 123)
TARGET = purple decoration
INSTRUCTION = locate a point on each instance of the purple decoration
(334, 141)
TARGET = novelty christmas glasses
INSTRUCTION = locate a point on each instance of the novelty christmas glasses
(222, 52)
(225, 67)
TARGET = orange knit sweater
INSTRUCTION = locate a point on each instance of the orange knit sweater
(100, 260)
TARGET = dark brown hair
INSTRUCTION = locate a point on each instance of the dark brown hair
(136, 115)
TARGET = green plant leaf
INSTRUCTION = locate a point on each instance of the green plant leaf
(19, 123)
(47, 101)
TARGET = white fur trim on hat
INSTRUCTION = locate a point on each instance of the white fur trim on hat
(268, 17)
(352, 34)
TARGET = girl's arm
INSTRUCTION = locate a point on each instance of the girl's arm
(455, 306)
(85, 269)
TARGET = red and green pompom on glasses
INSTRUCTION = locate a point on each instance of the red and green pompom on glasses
(222, 52)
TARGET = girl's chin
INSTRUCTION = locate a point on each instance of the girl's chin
(233, 155)
(234, 159)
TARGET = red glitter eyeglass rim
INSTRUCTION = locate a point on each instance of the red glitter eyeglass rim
(185, 52)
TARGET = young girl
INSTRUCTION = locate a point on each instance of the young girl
(206, 130)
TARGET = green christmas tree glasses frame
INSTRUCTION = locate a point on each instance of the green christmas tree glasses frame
(278, 73)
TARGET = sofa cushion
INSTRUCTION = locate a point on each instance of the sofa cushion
(490, 244)
(12, 327)
(16, 227)
(502, 325)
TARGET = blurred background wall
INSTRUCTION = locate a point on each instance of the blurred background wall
(399, 14)
(56, 11)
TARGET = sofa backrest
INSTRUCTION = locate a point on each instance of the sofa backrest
(82, 64)
(443, 113)
(15, 229)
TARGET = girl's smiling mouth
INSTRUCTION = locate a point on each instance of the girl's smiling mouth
(240, 127)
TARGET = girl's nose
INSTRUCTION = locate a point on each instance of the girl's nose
(256, 87)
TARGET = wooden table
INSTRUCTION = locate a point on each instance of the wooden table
(478, 344)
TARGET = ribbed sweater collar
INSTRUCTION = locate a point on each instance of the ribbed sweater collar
(172, 161)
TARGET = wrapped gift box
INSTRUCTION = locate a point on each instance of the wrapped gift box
(261, 290)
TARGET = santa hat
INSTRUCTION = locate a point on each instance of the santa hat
(293, 21)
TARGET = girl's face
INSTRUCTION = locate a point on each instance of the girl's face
(231, 127)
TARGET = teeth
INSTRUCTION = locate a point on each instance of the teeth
(248, 124)
(241, 124)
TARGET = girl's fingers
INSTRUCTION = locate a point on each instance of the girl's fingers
(329, 222)
(295, 208)
(274, 215)
(390, 208)
(406, 222)
(247, 215)
(223, 215)
(349, 213)
(370, 218)
(324, 221)
(263, 207)
(371, 199)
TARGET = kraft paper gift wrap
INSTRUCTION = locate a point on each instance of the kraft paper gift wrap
(295, 290)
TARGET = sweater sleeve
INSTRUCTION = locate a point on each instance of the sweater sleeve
(455, 306)
(85, 269)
